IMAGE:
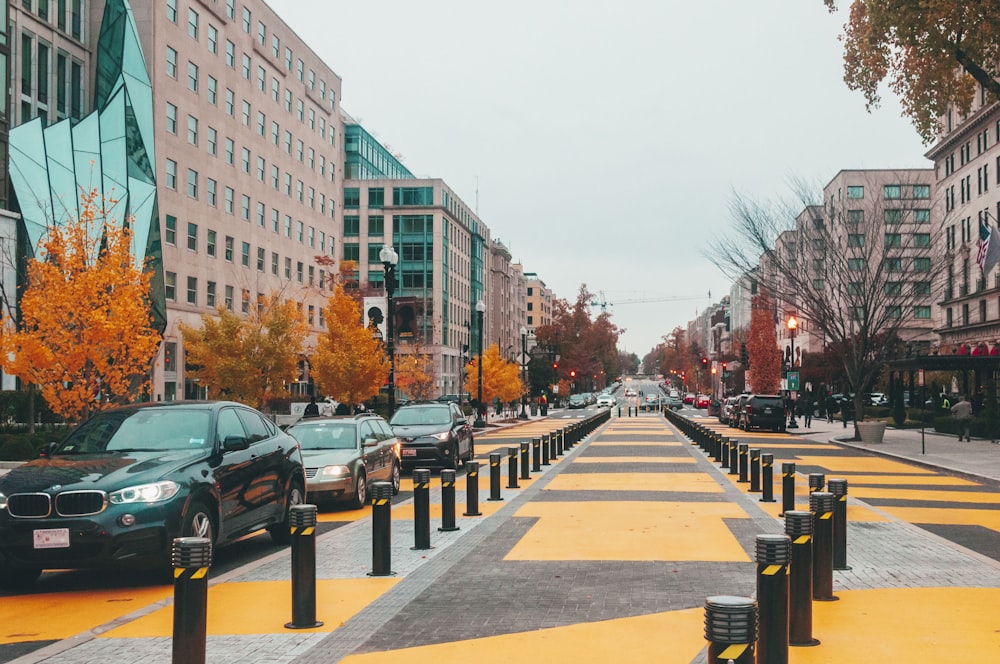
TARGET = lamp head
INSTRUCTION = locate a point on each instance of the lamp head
(481, 306)
(388, 255)
(792, 323)
(524, 331)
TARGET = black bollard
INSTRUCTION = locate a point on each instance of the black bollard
(799, 528)
(381, 528)
(734, 458)
(536, 455)
(552, 447)
(495, 476)
(724, 453)
(744, 463)
(755, 470)
(821, 505)
(421, 509)
(730, 629)
(560, 442)
(471, 489)
(512, 468)
(816, 482)
(191, 558)
(839, 490)
(773, 556)
(767, 477)
(545, 449)
(302, 522)
(525, 469)
(448, 501)
(787, 488)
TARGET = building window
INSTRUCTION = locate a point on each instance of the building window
(893, 216)
(352, 225)
(922, 216)
(230, 196)
(171, 63)
(891, 191)
(921, 239)
(171, 173)
(893, 288)
(893, 264)
(171, 118)
(229, 249)
(210, 295)
(376, 197)
(212, 142)
(213, 39)
(192, 77)
(921, 288)
(172, 11)
(170, 230)
(245, 207)
(894, 312)
(192, 130)
(230, 54)
(922, 312)
(192, 290)
(260, 259)
(412, 196)
(922, 191)
(893, 240)
(246, 66)
(856, 192)
(261, 168)
(212, 188)
(170, 285)
(246, 20)
(855, 240)
(376, 225)
(274, 263)
(192, 183)
(856, 264)
(229, 298)
(855, 216)
(352, 252)
(230, 103)
(922, 264)
(230, 151)
(213, 90)
(352, 197)
(245, 160)
(192, 24)
(210, 243)
(288, 268)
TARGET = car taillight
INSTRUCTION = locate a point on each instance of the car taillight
(749, 409)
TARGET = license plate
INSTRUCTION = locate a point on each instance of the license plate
(408, 452)
(52, 538)
(767, 411)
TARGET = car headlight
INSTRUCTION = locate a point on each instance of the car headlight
(156, 492)
(3, 502)
(336, 471)
(443, 436)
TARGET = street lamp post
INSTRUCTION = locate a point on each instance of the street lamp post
(480, 409)
(524, 372)
(792, 325)
(389, 258)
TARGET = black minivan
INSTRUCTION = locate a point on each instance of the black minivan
(764, 411)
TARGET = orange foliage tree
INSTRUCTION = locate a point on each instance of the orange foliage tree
(251, 359)
(501, 378)
(348, 364)
(86, 334)
(762, 346)
(415, 375)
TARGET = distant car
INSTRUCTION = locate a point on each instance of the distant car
(433, 433)
(629, 392)
(577, 401)
(689, 398)
(343, 455)
(879, 399)
(606, 401)
(727, 411)
(764, 411)
(591, 398)
(702, 401)
(129, 480)
(675, 394)
(453, 398)
(675, 403)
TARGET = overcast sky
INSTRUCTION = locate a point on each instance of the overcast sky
(603, 140)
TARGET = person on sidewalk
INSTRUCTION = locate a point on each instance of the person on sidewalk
(807, 410)
(831, 407)
(311, 409)
(962, 412)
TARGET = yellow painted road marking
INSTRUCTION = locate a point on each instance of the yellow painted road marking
(585, 458)
(678, 640)
(925, 494)
(925, 480)
(688, 482)
(987, 518)
(859, 464)
(622, 530)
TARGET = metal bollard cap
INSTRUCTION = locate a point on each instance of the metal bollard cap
(471, 467)
(447, 476)
(798, 523)
(774, 549)
(495, 456)
(837, 487)
(421, 475)
(767, 457)
(302, 516)
(821, 502)
(816, 481)
(524, 445)
(191, 552)
(381, 491)
(754, 453)
(787, 468)
(744, 447)
(730, 619)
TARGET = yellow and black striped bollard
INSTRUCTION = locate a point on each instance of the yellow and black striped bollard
(191, 558)
(302, 523)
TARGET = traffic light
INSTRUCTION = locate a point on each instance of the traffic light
(744, 355)
(704, 361)
(723, 366)
(555, 365)
(572, 374)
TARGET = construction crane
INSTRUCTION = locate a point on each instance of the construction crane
(604, 304)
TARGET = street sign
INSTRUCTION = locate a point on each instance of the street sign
(920, 377)
(793, 381)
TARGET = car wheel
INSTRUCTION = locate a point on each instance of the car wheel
(14, 578)
(452, 462)
(281, 533)
(395, 477)
(360, 496)
(198, 522)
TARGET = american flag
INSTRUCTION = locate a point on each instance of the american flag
(983, 245)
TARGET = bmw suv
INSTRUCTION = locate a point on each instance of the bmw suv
(433, 433)
(129, 480)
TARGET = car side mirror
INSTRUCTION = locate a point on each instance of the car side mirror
(48, 450)
(370, 442)
(234, 443)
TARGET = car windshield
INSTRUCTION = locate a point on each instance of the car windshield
(422, 415)
(325, 435)
(147, 429)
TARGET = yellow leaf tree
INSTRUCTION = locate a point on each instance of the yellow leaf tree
(348, 364)
(415, 376)
(86, 335)
(252, 359)
(501, 378)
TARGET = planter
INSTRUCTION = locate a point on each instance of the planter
(871, 432)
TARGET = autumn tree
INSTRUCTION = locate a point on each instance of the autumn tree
(349, 364)
(501, 377)
(932, 53)
(762, 346)
(251, 358)
(86, 335)
(415, 375)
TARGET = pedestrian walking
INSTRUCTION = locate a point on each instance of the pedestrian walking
(831, 408)
(807, 410)
(962, 412)
(845, 404)
(311, 409)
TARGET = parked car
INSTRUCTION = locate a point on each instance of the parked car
(702, 401)
(738, 411)
(629, 392)
(689, 398)
(878, 399)
(606, 401)
(726, 411)
(577, 401)
(674, 403)
(433, 433)
(764, 411)
(342, 455)
(125, 483)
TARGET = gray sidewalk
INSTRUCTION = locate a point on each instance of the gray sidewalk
(979, 459)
